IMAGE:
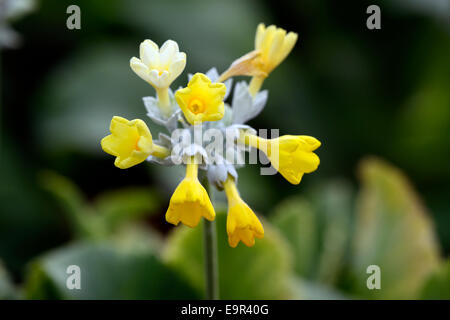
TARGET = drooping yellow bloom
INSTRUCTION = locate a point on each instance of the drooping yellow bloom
(201, 100)
(292, 156)
(242, 223)
(190, 201)
(272, 46)
(159, 67)
(130, 142)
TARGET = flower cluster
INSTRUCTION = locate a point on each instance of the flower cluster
(200, 105)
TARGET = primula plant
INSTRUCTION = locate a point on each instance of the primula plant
(205, 133)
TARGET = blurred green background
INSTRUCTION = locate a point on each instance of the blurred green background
(378, 100)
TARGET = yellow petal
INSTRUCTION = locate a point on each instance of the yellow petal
(276, 48)
(260, 30)
(242, 223)
(201, 100)
(288, 45)
(292, 156)
(190, 201)
(130, 142)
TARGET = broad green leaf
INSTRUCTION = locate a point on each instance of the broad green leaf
(393, 231)
(259, 272)
(437, 285)
(107, 272)
(296, 220)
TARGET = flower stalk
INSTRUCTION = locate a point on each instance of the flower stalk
(164, 100)
(210, 249)
(255, 85)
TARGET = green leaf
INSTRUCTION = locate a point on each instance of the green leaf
(120, 206)
(333, 203)
(106, 273)
(393, 231)
(259, 272)
(297, 221)
(84, 220)
(437, 285)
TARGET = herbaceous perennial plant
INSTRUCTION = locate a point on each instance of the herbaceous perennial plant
(200, 106)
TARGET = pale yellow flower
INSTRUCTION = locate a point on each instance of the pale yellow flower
(159, 67)
(272, 46)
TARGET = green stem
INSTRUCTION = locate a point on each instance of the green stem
(210, 247)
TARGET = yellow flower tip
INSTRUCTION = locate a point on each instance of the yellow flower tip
(242, 223)
(201, 100)
(274, 45)
(130, 142)
(293, 156)
(190, 201)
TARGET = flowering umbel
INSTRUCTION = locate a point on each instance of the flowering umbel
(201, 105)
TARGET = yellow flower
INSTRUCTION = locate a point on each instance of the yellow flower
(272, 45)
(130, 142)
(292, 156)
(242, 223)
(201, 100)
(190, 201)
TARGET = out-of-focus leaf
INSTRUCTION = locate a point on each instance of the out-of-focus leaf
(135, 236)
(393, 231)
(27, 224)
(297, 222)
(307, 290)
(112, 210)
(437, 285)
(106, 273)
(120, 206)
(83, 219)
(260, 272)
(333, 203)
(423, 129)
(7, 289)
